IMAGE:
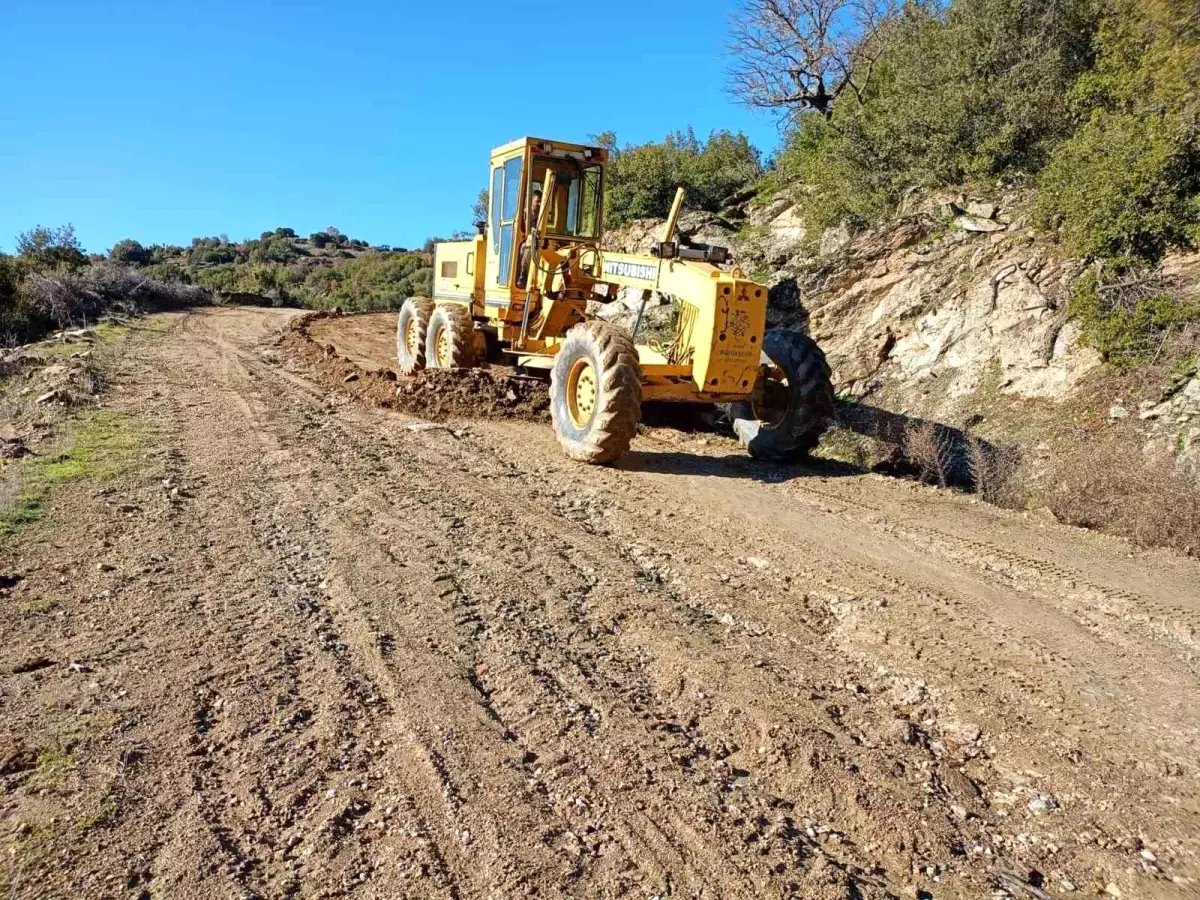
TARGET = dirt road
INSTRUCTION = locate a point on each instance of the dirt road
(303, 650)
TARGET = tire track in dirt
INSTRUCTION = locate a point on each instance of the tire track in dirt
(384, 663)
(969, 591)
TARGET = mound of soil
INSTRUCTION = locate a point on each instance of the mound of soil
(432, 394)
(477, 393)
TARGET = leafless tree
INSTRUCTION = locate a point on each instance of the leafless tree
(799, 55)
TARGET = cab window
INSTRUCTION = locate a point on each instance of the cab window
(574, 210)
(511, 194)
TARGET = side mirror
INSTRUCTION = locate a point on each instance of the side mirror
(481, 228)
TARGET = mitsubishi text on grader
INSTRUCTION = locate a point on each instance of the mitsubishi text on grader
(518, 293)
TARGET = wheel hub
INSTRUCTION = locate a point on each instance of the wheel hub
(442, 345)
(582, 390)
(412, 337)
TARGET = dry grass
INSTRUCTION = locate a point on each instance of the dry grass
(45, 302)
(1148, 500)
(930, 450)
(996, 472)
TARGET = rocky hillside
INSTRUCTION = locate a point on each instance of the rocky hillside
(954, 317)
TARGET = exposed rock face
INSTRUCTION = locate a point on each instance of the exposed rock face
(1173, 424)
(955, 316)
(913, 304)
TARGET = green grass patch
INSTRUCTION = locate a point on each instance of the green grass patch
(106, 815)
(106, 332)
(54, 764)
(41, 605)
(100, 445)
(27, 850)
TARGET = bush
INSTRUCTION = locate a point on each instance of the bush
(1118, 489)
(33, 304)
(129, 253)
(1124, 186)
(371, 281)
(50, 249)
(274, 250)
(642, 179)
(212, 256)
(1127, 183)
(1127, 312)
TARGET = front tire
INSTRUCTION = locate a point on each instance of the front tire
(789, 423)
(596, 392)
(411, 327)
(450, 340)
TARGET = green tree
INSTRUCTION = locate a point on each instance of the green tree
(972, 90)
(47, 249)
(1127, 182)
(129, 253)
(642, 179)
(479, 209)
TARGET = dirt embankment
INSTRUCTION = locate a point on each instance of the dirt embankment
(292, 647)
(354, 353)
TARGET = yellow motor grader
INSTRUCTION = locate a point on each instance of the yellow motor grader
(518, 292)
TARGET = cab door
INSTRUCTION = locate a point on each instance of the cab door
(504, 208)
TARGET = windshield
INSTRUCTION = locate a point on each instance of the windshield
(574, 210)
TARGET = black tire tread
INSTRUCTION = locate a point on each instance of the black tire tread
(422, 308)
(456, 320)
(810, 402)
(620, 400)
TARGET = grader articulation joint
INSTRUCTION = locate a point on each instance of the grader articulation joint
(518, 292)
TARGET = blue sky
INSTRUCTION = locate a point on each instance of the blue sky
(166, 120)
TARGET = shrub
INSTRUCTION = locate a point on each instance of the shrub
(50, 249)
(1117, 489)
(642, 179)
(129, 253)
(1128, 312)
(1124, 186)
(929, 448)
(995, 472)
(1127, 183)
(34, 303)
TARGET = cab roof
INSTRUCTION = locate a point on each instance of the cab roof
(523, 142)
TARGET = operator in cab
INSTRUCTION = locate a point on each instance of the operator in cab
(531, 220)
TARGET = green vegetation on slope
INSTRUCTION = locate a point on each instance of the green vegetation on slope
(642, 179)
(51, 283)
(1093, 101)
(323, 270)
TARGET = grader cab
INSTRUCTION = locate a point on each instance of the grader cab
(517, 293)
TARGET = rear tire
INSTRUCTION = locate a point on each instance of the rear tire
(794, 426)
(450, 339)
(411, 326)
(596, 392)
